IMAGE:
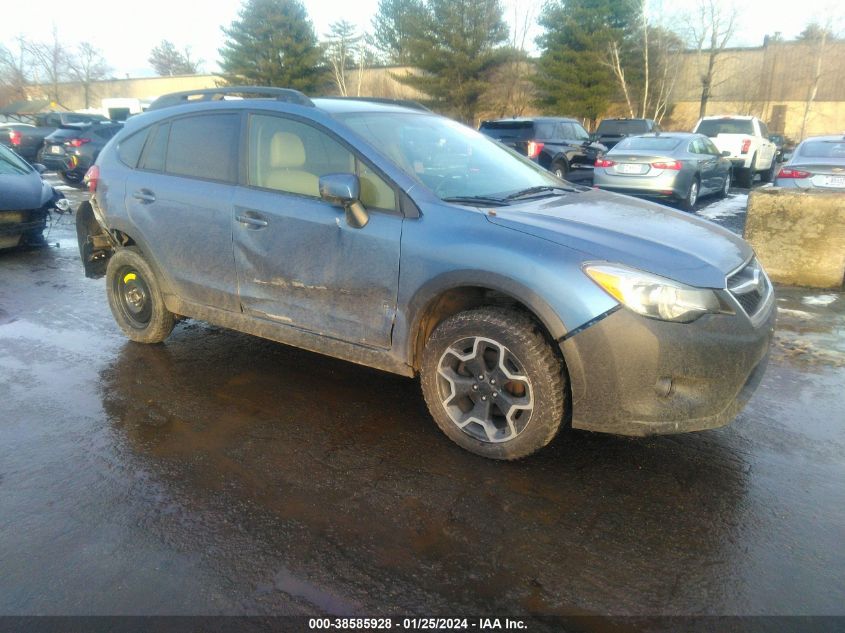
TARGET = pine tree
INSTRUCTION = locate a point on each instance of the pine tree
(573, 77)
(272, 44)
(455, 44)
(393, 25)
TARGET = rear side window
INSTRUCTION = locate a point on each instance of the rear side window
(129, 149)
(547, 130)
(204, 147)
(152, 159)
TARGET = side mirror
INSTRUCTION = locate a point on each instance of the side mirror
(39, 168)
(725, 153)
(344, 190)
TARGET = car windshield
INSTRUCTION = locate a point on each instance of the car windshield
(614, 128)
(519, 130)
(714, 127)
(451, 159)
(823, 149)
(11, 165)
(660, 143)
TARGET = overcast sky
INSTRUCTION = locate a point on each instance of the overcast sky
(126, 32)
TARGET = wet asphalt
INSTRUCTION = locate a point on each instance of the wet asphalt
(223, 474)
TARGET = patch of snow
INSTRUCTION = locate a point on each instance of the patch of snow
(819, 300)
(798, 313)
(732, 205)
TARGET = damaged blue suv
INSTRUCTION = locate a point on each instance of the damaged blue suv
(388, 236)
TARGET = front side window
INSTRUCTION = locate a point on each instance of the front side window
(204, 146)
(580, 132)
(290, 156)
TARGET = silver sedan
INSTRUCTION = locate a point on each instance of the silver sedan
(678, 167)
(817, 163)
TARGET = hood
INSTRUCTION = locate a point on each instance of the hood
(625, 230)
(23, 191)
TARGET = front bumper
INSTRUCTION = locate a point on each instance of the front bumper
(16, 225)
(631, 375)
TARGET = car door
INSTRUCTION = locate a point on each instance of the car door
(299, 263)
(708, 165)
(767, 148)
(180, 201)
(723, 165)
(577, 136)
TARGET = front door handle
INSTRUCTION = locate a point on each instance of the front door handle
(251, 221)
(145, 196)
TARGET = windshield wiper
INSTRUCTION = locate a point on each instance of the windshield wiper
(478, 200)
(524, 193)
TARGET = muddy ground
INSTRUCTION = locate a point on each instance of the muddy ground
(223, 474)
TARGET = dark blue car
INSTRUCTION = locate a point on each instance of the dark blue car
(401, 240)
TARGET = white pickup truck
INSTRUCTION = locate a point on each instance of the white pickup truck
(747, 140)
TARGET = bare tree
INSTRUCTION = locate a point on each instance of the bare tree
(819, 45)
(710, 29)
(15, 68)
(615, 64)
(168, 61)
(50, 64)
(87, 66)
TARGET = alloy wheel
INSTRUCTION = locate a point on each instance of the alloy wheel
(484, 389)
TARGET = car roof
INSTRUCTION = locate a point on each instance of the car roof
(531, 119)
(338, 105)
(677, 135)
(744, 117)
(832, 138)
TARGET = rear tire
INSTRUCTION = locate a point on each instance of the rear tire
(135, 298)
(74, 180)
(688, 203)
(478, 363)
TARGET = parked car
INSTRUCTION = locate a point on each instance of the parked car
(71, 151)
(25, 201)
(678, 167)
(15, 136)
(817, 163)
(746, 138)
(611, 131)
(402, 240)
(557, 144)
(780, 146)
(27, 140)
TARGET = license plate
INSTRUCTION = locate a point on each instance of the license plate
(631, 168)
(55, 149)
(834, 181)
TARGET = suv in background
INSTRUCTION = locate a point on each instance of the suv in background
(557, 144)
(401, 240)
(71, 151)
(746, 139)
(611, 131)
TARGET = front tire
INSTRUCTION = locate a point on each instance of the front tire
(493, 384)
(726, 186)
(560, 169)
(135, 298)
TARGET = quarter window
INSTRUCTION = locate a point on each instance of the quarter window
(290, 156)
(152, 159)
(204, 147)
(129, 149)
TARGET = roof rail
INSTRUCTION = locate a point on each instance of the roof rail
(405, 103)
(217, 94)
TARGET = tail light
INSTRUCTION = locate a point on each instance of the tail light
(674, 165)
(604, 162)
(534, 149)
(746, 145)
(785, 172)
(92, 177)
(78, 142)
(15, 138)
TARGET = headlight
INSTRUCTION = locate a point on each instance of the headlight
(653, 296)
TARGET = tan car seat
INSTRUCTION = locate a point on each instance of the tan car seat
(287, 157)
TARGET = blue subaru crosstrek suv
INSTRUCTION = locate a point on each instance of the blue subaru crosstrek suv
(395, 238)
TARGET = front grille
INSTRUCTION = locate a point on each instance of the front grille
(750, 287)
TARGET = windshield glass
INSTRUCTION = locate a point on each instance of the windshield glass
(11, 165)
(823, 149)
(613, 128)
(661, 143)
(714, 127)
(449, 158)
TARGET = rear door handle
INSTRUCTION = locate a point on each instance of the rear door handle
(145, 196)
(251, 221)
